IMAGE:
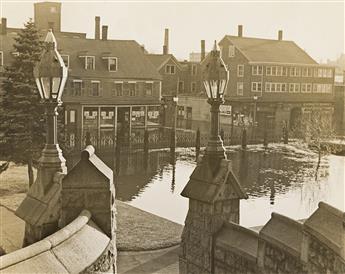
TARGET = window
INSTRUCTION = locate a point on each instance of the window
(95, 88)
(193, 87)
(194, 69)
(329, 73)
(291, 87)
(131, 86)
(285, 71)
(268, 71)
(72, 116)
(298, 72)
(310, 72)
(319, 73)
(292, 71)
(304, 72)
(240, 70)
(297, 87)
(309, 86)
(274, 71)
(284, 87)
(170, 69)
(77, 87)
(65, 59)
(180, 87)
(231, 51)
(240, 88)
(267, 86)
(1, 58)
(112, 64)
(148, 88)
(118, 88)
(256, 70)
(256, 86)
(89, 62)
(279, 71)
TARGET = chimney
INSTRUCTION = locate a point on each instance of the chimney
(104, 33)
(202, 56)
(166, 42)
(97, 27)
(240, 30)
(280, 35)
(3, 25)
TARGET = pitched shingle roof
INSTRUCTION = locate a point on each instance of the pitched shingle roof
(132, 61)
(270, 51)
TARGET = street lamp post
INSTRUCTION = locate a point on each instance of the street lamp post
(173, 129)
(215, 81)
(50, 76)
(213, 190)
(40, 209)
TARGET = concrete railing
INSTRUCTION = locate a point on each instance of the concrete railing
(72, 249)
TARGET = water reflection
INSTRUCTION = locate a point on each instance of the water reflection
(279, 178)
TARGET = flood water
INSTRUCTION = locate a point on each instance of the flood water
(281, 179)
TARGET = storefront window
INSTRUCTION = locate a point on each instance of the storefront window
(153, 115)
(90, 123)
(138, 116)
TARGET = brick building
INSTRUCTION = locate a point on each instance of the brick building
(112, 87)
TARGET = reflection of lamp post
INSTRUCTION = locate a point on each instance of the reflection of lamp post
(173, 129)
(215, 81)
(40, 208)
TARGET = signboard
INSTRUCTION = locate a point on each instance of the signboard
(225, 110)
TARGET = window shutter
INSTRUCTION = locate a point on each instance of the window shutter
(100, 88)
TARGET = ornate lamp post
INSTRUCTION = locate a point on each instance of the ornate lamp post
(213, 190)
(50, 76)
(216, 78)
(40, 208)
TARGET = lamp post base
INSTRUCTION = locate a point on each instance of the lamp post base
(215, 148)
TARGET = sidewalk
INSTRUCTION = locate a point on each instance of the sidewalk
(163, 261)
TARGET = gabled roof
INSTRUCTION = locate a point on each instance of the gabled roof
(132, 61)
(270, 51)
(159, 60)
(207, 187)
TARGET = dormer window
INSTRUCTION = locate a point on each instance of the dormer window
(111, 62)
(89, 62)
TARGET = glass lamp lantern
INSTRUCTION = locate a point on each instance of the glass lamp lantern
(216, 76)
(50, 73)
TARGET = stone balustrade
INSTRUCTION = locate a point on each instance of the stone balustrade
(78, 247)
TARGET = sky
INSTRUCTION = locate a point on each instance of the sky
(316, 26)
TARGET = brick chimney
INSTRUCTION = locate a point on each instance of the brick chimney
(240, 30)
(3, 25)
(97, 27)
(166, 42)
(202, 56)
(104, 33)
(280, 35)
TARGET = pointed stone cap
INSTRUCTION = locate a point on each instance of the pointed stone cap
(206, 187)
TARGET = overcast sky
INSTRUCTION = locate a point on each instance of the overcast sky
(317, 27)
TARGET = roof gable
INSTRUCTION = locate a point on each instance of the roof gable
(159, 60)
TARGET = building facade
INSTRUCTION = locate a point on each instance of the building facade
(113, 90)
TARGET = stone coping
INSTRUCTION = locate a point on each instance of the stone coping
(327, 224)
(71, 249)
(239, 240)
(284, 233)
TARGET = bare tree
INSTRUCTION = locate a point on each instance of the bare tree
(315, 127)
